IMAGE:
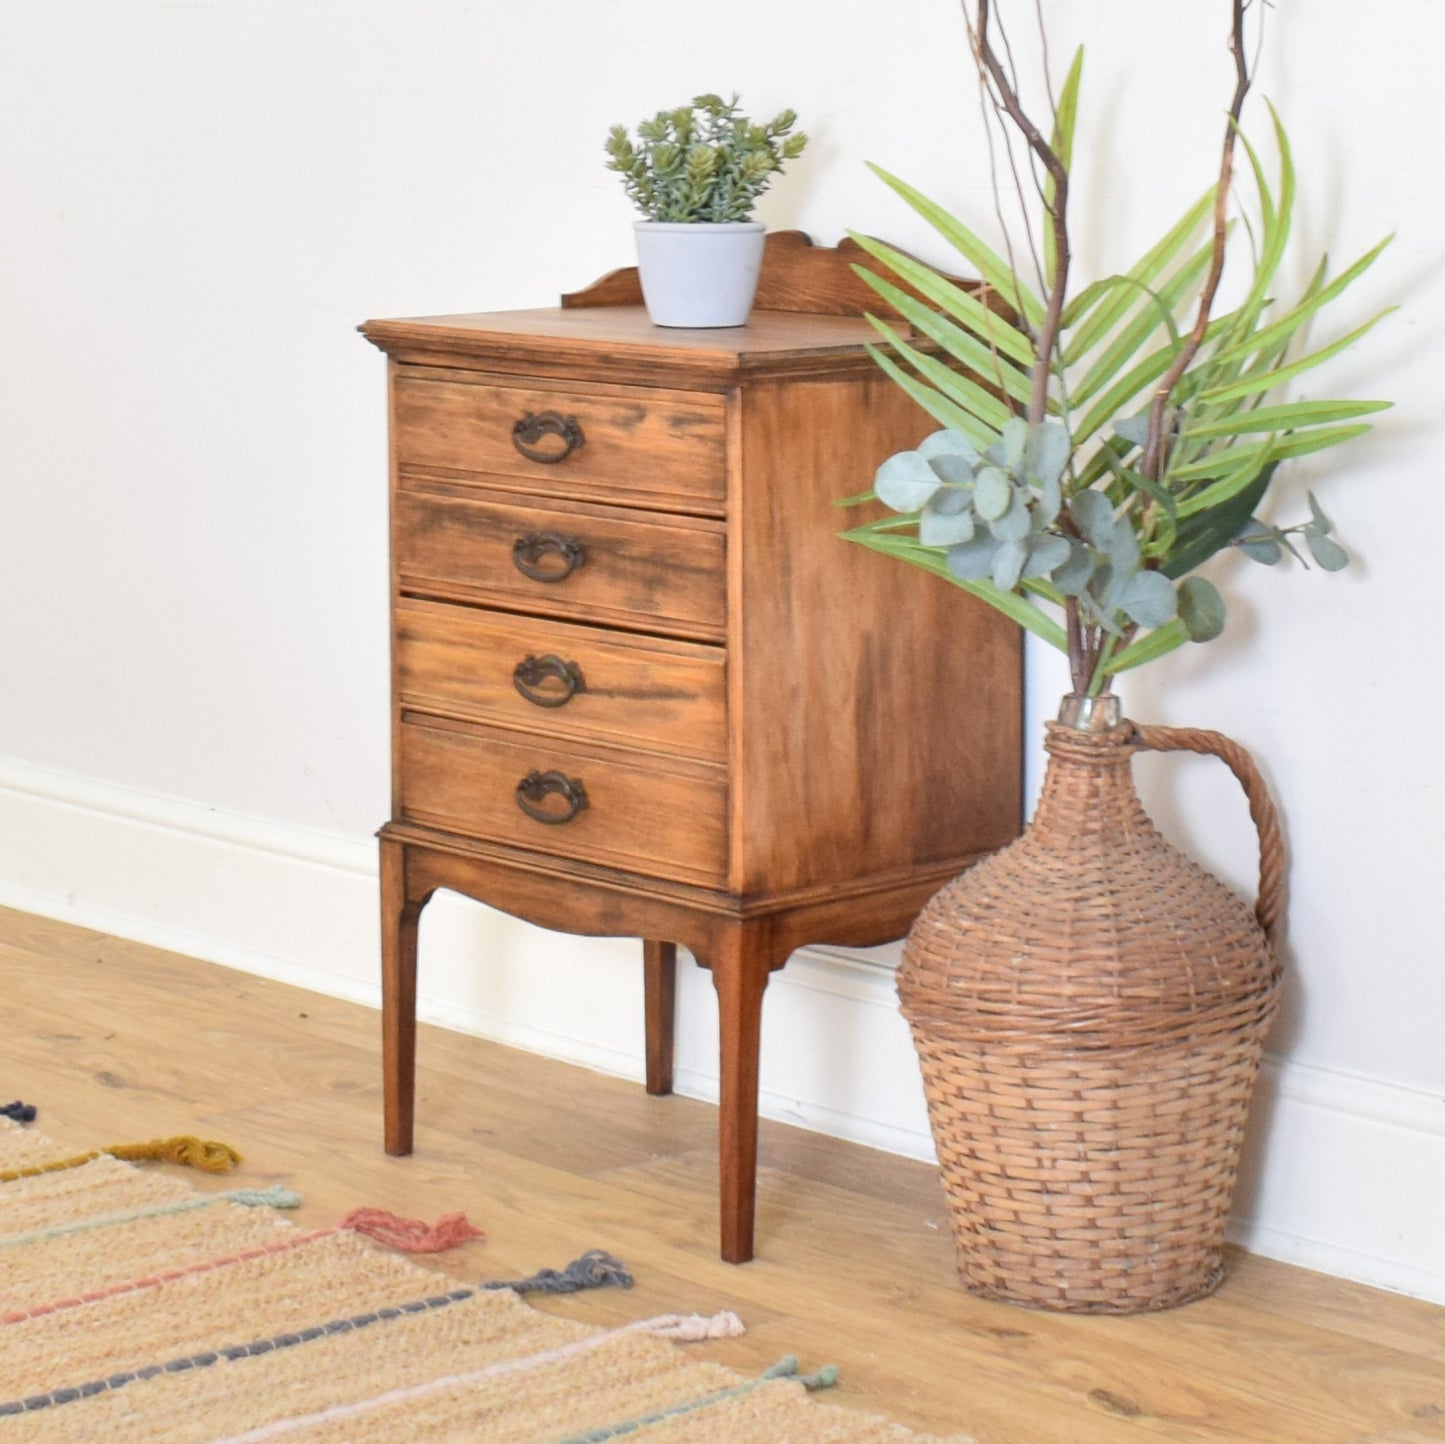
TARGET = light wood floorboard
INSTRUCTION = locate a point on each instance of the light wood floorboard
(115, 1041)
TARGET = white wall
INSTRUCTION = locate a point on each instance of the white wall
(202, 198)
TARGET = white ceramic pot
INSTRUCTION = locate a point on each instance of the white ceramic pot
(699, 273)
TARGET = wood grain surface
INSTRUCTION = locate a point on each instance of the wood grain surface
(115, 1041)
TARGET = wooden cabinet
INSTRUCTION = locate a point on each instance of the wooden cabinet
(640, 687)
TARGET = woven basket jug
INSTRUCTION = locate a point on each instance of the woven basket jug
(1089, 1007)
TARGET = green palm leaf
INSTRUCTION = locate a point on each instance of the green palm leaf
(955, 301)
(962, 390)
(946, 413)
(1123, 290)
(957, 342)
(990, 265)
(1062, 145)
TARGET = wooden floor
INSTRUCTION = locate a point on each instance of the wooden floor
(118, 1042)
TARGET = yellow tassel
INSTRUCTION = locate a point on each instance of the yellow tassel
(202, 1153)
(190, 1152)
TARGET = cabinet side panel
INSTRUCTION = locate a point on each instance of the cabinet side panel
(877, 707)
(393, 471)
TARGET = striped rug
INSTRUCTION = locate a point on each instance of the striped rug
(134, 1307)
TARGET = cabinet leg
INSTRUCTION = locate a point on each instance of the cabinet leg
(740, 967)
(399, 924)
(659, 972)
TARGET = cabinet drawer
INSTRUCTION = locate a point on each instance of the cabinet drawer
(601, 564)
(567, 681)
(654, 815)
(628, 444)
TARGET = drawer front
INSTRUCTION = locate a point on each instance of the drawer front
(633, 445)
(647, 815)
(604, 565)
(537, 675)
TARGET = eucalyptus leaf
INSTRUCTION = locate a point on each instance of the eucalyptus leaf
(1326, 550)
(1016, 523)
(944, 523)
(1123, 549)
(1014, 437)
(1008, 564)
(905, 482)
(1051, 501)
(1201, 608)
(1133, 428)
(951, 468)
(1046, 553)
(1046, 451)
(972, 561)
(1073, 575)
(1322, 524)
(1260, 543)
(947, 443)
(1148, 599)
(1094, 516)
(992, 494)
(950, 500)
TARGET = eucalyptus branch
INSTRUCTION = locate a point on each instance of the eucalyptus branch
(1152, 463)
(990, 66)
(1032, 509)
(1079, 668)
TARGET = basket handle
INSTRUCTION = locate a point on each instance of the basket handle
(1269, 910)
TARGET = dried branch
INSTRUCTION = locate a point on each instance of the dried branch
(1155, 452)
(1008, 98)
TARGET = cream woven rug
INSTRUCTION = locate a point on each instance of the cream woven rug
(136, 1307)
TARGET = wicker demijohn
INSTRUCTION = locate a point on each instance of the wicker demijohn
(1089, 1007)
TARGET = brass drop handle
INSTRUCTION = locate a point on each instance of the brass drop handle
(533, 426)
(536, 787)
(531, 672)
(528, 553)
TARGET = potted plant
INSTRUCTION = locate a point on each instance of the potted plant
(695, 173)
(1089, 1006)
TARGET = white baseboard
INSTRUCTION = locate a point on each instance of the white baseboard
(1343, 1174)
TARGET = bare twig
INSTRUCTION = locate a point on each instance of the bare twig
(1008, 98)
(1155, 451)
(989, 107)
(1044, 56)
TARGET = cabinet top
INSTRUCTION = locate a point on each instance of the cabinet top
(622, 340)
(808, 320)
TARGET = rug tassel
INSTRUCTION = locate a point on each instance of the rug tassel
(20, 1112)
(692, 1328)
(787, 1368)
(412, 1235)
(192, 1152)
(202, 1153)
(596, 1269)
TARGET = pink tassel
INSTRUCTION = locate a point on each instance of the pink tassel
(411, 1235)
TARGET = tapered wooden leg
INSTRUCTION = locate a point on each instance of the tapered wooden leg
(740, 967)
(659, 972)
(399, 922)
